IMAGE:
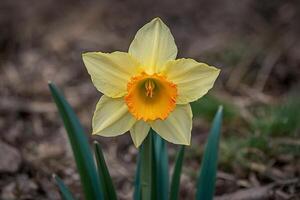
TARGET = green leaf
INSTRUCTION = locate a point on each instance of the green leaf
(65, 192)
(148, 177)
(137, 180)
(162, 167)
(207, 177)
(80, 146)
(104, 176)
(174, 191)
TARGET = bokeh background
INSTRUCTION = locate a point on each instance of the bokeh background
(254, 42)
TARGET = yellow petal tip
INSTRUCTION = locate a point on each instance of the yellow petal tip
(157, 19)
(137, 146)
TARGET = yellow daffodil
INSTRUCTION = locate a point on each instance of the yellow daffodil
(147, 88)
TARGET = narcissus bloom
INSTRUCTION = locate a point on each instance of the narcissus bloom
(147, 88)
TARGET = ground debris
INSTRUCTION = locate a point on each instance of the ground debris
(10, 158)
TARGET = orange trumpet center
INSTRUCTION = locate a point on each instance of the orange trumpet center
(150, 97)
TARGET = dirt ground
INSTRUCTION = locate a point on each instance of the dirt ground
(254, 42)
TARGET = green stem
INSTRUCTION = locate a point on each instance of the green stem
(147, 170)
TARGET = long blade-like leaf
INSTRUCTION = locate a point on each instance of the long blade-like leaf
(104, 176)
(207, 177)
(65, 192)
(174, 191)
(137, 180)
(80, 146)
(162, 167)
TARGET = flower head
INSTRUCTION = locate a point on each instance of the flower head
(147, 88)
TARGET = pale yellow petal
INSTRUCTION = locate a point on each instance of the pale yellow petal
(139, 131)
(193, 79)
(110, 72)
(111, 117)
(153, 45)
(177, 127)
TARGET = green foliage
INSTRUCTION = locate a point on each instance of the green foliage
(137, 181)
(104, 176)
(273, 132)
(80, 146)
(152, 174)
(276, 131)
(65, 192)
(279, 120)
(174, 191)
(162, 167)
(207, 176)
(148, 188)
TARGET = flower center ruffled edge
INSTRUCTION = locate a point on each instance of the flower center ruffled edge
(150, 97)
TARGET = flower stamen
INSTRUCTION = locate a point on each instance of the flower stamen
(149, 85)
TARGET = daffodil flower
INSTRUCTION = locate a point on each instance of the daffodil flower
(147, 87)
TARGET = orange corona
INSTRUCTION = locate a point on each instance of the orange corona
(150, 97)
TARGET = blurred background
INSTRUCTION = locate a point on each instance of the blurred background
(254, 42)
